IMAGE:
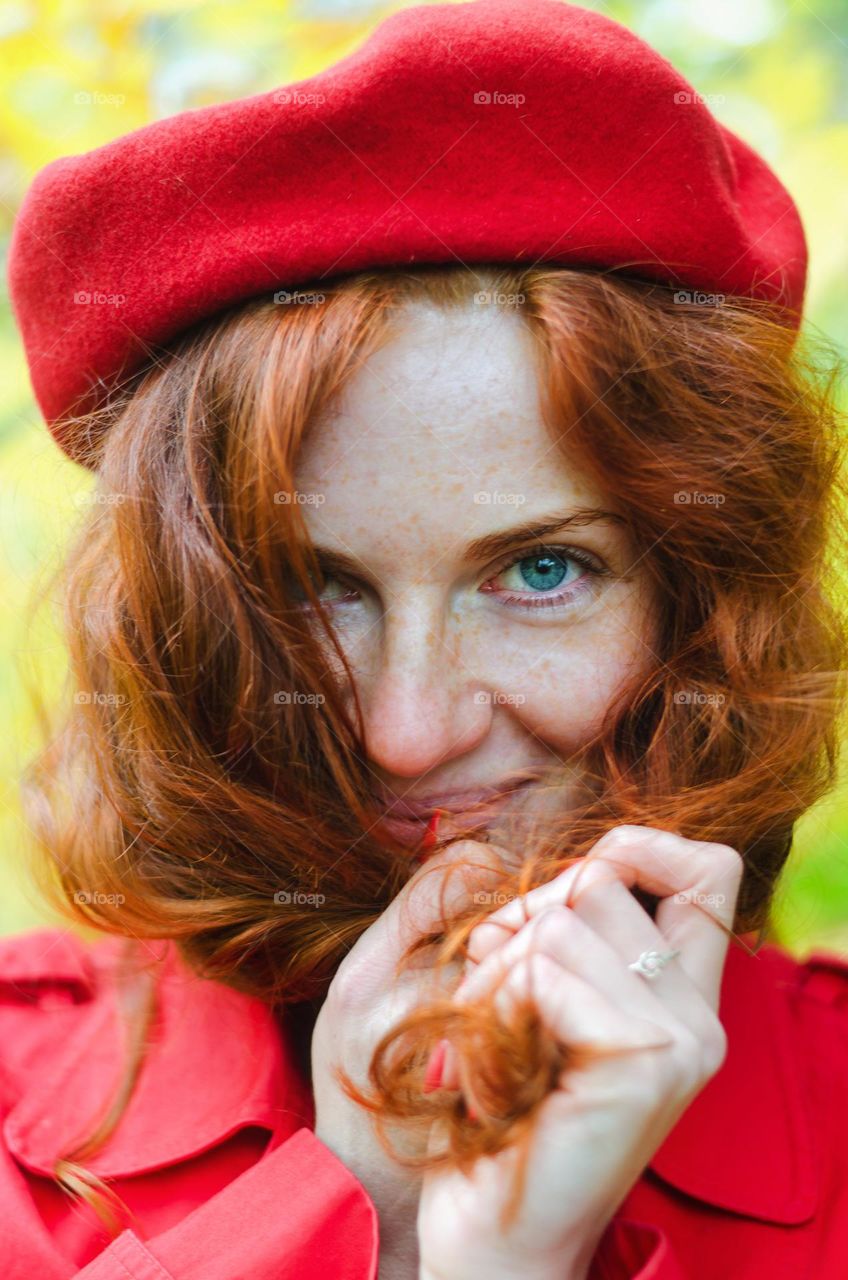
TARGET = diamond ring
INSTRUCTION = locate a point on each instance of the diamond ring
(650, 963)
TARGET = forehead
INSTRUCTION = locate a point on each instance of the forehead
(449, 406)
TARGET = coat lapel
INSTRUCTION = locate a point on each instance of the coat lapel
(746, 1142)
(218, 1060)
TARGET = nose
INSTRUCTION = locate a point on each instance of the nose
(419, 703)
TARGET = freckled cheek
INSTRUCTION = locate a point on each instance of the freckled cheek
(560, 698)
(559, 684)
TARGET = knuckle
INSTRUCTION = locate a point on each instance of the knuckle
(350, 988)
(624, 833)
(699, 1055)
(713, 1047)
(541, 970)
(492, 930)
(727, 856)
(457, 850)
(473, 862)
(686, 1061)
(530, 969)
(341, 990)
(549, 924)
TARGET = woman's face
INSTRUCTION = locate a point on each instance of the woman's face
(476, 651)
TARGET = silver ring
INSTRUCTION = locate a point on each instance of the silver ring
(650, 963)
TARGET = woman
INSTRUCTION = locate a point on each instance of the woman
(451, 658)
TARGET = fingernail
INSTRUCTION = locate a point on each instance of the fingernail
(435, 1064)
(430, 836)
(471, 1112)
(450, 1070)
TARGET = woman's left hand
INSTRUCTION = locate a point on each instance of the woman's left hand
(599, 1128)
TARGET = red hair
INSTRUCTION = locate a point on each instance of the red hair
(180, 792)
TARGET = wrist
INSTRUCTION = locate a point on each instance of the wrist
(394, 1193)
(561, 1270)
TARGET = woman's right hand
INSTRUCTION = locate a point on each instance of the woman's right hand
(365, 999)
(568, 947)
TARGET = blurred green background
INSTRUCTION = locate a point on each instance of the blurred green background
(74, 75)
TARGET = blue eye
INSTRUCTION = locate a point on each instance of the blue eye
(543, 572)
(549, 576)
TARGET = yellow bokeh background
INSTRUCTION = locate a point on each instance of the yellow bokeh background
(73, 76)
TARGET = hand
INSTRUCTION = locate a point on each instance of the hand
(366, 998)
(597, 1130)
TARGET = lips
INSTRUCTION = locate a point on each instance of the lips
(411, 831)
(448, 801)
(407, 831)
(407, 821)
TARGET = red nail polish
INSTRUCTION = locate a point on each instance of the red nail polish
(471, 1112)
(435, 1066)
(430, 837)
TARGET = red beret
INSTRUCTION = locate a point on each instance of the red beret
(489, 131)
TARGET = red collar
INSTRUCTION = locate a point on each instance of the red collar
(221, 1060)
(746, 1143)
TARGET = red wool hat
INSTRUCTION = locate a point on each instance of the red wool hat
(489, 131)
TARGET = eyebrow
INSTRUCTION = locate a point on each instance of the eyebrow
(491, 545)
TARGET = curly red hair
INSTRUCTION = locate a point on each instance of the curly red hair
(180, 793)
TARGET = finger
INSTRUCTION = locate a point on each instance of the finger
(698, 886)
(608, 911)
(561, 935)
(446, 882)
(505, 922)
(698, 883)
(573, 1011)
(611, 910)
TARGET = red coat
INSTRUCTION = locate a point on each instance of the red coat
(216, 1156)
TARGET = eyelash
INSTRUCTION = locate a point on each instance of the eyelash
(593, 567)
(548, 600)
